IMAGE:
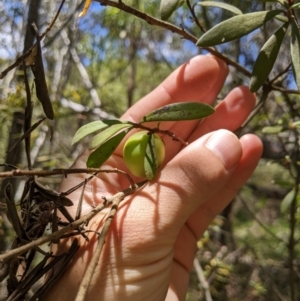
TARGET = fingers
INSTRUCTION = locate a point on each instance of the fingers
(200, 79)
(230, 114)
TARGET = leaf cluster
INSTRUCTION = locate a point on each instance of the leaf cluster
(111, 132)
(243, 24)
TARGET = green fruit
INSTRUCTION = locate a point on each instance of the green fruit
(134, 152)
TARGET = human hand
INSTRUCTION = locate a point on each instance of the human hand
(150, 247)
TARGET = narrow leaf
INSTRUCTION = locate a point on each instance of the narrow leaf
(295, 6)
(179, 111)
(12, 213)
(167, 7)
(266, 58)
(235, 27)
(282, 18)
(106, 134)
(275, 129)
(40, 79)
(86, 8)
(295, 52)
(296, 124)
(92, 127)
(287, 201)
(150, 161)
(222, 5)
(103, 152)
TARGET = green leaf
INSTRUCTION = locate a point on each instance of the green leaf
(287, 201)
(282, 18)
(103, 152)
(295, 6)
(295, 52)
(107, 133)
(222, 5)
(179, 111)
(235, 27)
(275, 129)
(266, 58)
(167, 7)
(296, 124)
(150, 160)
(92, 127)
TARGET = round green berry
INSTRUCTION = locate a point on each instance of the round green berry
(134, 152)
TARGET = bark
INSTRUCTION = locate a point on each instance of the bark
(15, 157)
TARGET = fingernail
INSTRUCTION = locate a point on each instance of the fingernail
(226, 146)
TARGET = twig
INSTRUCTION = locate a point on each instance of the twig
(284, 90)
(292, 243)
(192, 11)
(74, 225)
(277, 77)
(85, 283)
(261, 224)
(202, 279)
(60, 171)
(26, 134)
(20, 59)
(182, 32)
(158, 130)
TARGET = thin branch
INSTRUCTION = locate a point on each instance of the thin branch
(261, 224)
(85, 283)
(158, 130)
(284, 90)
(20, 59)
(276, 78)
(26, 134)
(202, 279)
(72, 226)
(182, 32)
(192, 11)
(293, 223)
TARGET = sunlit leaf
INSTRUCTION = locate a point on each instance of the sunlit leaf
(296, 124)
(287, 201)
(266, 59)
(150, 161)
(275, 129)
(106, 134)
(86, 8)
(167, 7)
(295, 6)
(222, 5)
(282, 18)
(103, 152)
(92, 127)
(235, 27)
(179, 111)
(295, 52)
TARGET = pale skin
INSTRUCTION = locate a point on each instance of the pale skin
(151, 245)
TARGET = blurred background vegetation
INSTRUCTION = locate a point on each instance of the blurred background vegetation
(99, 65)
